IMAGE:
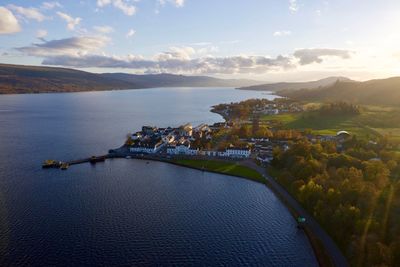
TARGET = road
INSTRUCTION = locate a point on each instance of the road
(329, 245)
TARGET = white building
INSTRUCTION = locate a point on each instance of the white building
(237, 152)
(168, 138)
(274, 111)
(182, 149)
(185, 130)
(149, 147)
(136, 136)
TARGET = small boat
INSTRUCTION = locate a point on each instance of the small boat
(50, 164)
(128, 157)
(64, 166)
(147, 162)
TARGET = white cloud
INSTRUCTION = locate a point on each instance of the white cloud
(130, 33)
(50, 5)
(41, 33)
(28, 12)
(179, 3)
(293, 6)
(80, 52)
(103, 29)
(123, 5)
(8, 22)
(74, 46)
(316, 55)
(71, 22)
(282, 33)
(161, 3)
(85, 52)
(176, 64)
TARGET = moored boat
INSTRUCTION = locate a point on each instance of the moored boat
(64, 166)
(50, 164)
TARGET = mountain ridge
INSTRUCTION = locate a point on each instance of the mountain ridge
(20, 79)
(373, 92)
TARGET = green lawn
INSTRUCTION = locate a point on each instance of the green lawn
(372, 121)
(283, 118)
(223, 167)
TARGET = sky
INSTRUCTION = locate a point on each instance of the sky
(269, 40)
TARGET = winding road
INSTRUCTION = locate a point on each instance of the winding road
(330, 246)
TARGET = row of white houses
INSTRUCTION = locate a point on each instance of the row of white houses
(186, 149)
(231, 152)
(147, 147)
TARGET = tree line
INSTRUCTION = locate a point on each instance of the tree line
(355, 194)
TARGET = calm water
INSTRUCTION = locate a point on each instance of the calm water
(127, 212)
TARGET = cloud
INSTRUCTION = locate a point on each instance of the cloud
(130, 33)
(85, 52)
(77, 52)
(8, 22)
(41, 34)
(161, 3)
(50, 5)
(74, 46)
(28, 12)
(282, 33)
(103, 29)
(316, 55)
(293, 6)
(122, 5)
(172, 64)
(177, 3)
(71, 22)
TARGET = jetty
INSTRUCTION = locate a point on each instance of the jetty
(63, 165)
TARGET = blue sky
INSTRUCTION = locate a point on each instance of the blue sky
(269, 40)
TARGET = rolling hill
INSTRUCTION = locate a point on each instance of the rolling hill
(20, 79)
(374, 92)
(274, 87)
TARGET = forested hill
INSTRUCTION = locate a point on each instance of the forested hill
(374, 92)
(19, 79)
(295, 85)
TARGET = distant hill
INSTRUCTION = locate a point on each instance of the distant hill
(172, 80)
(19, 79)
(274, 87)
(373, 92)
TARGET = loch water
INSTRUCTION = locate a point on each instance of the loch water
(127, 212)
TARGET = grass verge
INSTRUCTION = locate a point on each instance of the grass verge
(224, 167)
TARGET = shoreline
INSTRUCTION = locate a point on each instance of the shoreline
(110, 90)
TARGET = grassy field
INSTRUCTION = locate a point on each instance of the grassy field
(283, 118)
(373, 121)
(223, 167)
